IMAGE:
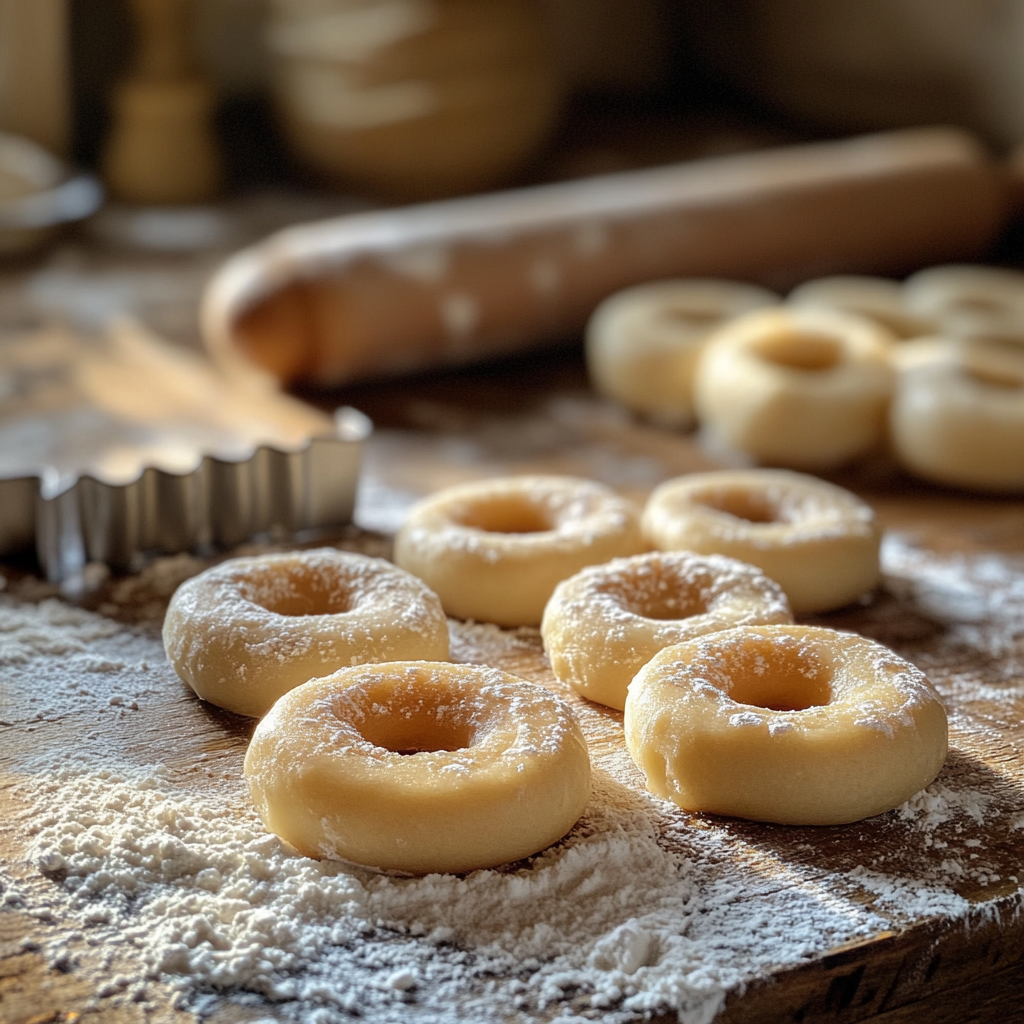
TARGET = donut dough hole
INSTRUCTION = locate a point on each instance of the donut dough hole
(604, 624)
(958, 414)
(878, 299)
(970, 301)
(643, 343)
(805, 388)
(246, 631)
(819, 542)
(495, 550)
(415, 767)
(796, 725)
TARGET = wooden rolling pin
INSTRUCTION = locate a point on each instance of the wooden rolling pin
(457, 281)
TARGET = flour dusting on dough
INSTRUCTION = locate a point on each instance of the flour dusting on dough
(170, 882)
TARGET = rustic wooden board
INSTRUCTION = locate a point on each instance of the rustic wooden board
(952, 602)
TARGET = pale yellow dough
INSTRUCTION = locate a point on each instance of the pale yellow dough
(495, 550)
(958, 414)
(804, 388)
(880, 299)
(643, 343)
(791, 724)
(819, 542)
(604, 624)
(415, 767)
(250, 629)
(970, 301)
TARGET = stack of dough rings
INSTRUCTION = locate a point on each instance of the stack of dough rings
(827, 378)
(969, 301)
(804, 388)
(643, 344)
(958, 414)
(874, 298)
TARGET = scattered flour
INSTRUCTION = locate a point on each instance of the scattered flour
(64, 639)
(608, 919)
(978, 598)
(910, 898)
(622, 917)
(937, 804)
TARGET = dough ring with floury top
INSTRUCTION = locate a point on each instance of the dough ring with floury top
(604, 624)
(958, 414)
(643, 344)
(796, 386)
(796, 725)
(494, 550)
(880, 299)
(416, 768)
(970, 301)
(246, 631)
(818, 541)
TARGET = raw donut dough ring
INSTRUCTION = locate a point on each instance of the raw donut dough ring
(877, 298)
(958, 414)
(246, 631)
(416, 767)
(495, 550)
(860, 730)
(970, 301)
(804, 388)
(818, 541)
(604, 624)
(643, 343)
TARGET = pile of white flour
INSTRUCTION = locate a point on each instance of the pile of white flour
(167, 882)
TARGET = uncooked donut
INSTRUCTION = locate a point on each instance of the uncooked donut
(877, 298)
(642, 344)
(604, 624)
(495, 550)
(805, 388)
(248, 630)
(417, 767)
(958, 414)
(818, 541)
(792, 724)
(970, 301)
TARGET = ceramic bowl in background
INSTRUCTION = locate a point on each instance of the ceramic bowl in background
(414, 99)
(38, 194)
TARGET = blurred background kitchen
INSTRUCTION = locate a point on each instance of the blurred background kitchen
(211, 123)
(145, 141)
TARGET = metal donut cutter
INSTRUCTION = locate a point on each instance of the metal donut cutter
(127, 488)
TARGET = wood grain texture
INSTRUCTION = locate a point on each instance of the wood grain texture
(952, 602)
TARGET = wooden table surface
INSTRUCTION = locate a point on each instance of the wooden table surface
(952, 602)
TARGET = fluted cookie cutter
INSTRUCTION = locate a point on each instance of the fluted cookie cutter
(88, 473)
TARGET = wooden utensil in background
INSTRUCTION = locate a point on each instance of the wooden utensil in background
(162, 147)
(458, 281)
(35, 98)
